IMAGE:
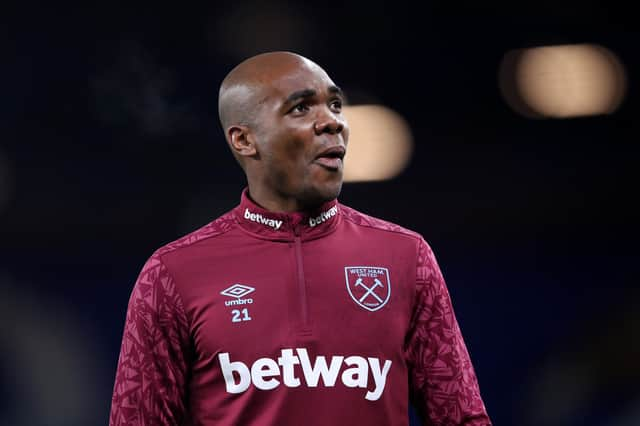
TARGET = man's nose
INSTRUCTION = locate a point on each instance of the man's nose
(328, 123)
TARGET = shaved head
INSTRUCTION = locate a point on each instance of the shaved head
(240, 93)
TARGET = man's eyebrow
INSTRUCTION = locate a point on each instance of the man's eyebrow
(336, 91)
(308, 93)
(305, 93)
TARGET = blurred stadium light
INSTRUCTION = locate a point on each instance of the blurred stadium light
(562, 81)
(380, 143)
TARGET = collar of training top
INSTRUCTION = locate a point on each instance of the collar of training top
(311, 224)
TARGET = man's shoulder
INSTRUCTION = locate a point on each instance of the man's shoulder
(213, 229)
(362, 219)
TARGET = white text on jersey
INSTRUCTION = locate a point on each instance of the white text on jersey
(264, 371)
(258, 218)
(324, 216)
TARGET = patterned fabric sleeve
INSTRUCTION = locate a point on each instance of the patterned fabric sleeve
(443, 382)
(150, 385)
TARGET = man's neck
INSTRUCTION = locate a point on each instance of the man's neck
(279, 203)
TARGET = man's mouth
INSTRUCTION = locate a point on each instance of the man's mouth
(332, 157)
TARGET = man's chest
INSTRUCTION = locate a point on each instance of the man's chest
(351, 299)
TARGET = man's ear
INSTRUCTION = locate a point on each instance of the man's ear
(242, 141)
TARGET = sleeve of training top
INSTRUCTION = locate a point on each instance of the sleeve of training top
(444, 387)
(150, 384)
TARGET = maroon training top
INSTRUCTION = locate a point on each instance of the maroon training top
(330, 317)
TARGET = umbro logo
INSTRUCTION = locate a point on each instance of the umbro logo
(238, 291)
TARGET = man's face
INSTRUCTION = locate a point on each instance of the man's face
(301, 135)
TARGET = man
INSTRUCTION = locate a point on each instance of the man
(292, 309)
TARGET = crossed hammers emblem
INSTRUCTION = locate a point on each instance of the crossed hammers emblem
(370, 290)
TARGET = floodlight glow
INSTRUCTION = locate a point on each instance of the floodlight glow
(380, 143)
(563, 81)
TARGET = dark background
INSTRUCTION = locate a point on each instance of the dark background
(110, 147)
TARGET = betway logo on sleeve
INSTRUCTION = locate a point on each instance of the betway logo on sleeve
(257, 217)
(324, 216)
(267, 373)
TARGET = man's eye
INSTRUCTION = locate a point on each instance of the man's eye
(300, 108)
(337, 105)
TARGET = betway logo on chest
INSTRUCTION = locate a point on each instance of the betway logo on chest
(267, 373)
(324, 216)
(257, 217)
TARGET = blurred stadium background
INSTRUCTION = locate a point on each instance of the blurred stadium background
(515, 130)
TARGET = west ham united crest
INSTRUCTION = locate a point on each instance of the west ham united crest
(368, 286)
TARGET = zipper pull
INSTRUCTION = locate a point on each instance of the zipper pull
(297, 230)
(296, 225)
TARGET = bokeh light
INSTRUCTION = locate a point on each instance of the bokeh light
(380, 143)
(563, 81)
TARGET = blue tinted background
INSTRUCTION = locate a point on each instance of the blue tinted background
(110, 147)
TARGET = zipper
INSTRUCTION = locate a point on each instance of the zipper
(301, 282)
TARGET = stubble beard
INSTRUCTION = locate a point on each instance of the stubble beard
(313, 197)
